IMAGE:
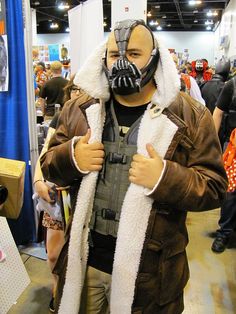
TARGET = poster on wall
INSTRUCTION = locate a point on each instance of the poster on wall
(53, 52)
(3, 49)
(46, 53)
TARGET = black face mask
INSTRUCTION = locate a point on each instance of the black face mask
(124, 77)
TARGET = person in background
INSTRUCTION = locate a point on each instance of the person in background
(200, 72)
(55, 228)
(138, 153)
(40, 74)
(226, 104)
(212, 89)
(52, 91)
(188, 83)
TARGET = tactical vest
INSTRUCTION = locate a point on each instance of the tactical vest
(113, 180)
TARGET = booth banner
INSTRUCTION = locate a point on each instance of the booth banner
(53, 52)
(3, 49)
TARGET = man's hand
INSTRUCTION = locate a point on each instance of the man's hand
(89, 157)
(146, 171)
(43, 190)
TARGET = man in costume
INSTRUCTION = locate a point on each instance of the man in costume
(137, 151)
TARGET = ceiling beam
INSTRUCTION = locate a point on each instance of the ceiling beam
(179, 13)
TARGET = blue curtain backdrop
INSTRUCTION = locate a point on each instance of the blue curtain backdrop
(14, 133)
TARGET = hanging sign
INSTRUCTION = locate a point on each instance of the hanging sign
(3, 49)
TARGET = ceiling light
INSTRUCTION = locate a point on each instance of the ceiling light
(164, 17)
(195, 21)
(168, 25)
(63, 6)
(209, 13)
(54, 25)
(153, 23)
(195, 11)
(149, 14)
(194, 2)
(159, 28)
(67, 30)
(36, 3)
(215, 13)
(157, 6)
(209, 22)
(208, 28)
(104, 23)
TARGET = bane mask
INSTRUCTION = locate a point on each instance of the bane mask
(125, 78)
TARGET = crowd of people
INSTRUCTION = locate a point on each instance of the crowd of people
(136, 148)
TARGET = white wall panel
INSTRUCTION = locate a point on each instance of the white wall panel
(128, 9)
(199, 44)
(86, 31)
(227, 27)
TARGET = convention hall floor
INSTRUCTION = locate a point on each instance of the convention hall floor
(211, 289)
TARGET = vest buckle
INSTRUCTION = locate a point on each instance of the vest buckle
(108, 214)
(116, 158)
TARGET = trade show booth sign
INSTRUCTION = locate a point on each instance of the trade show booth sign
(3, 49)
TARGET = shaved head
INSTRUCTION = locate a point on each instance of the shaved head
(141, 42)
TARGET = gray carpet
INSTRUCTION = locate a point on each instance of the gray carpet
(34, 249)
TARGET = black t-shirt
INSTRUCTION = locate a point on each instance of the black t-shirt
(211, 91)
(52, 90)
(101, 253)
(226, 96)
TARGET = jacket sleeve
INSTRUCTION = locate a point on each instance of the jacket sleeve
(58, 164)
(202, 183)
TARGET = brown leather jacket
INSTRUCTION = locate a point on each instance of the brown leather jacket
(194, 180)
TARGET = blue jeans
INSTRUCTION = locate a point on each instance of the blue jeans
(227, 220)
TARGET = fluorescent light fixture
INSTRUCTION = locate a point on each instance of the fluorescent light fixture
(63, 6)
(209, 22)
(67, 30)
(168, 25)
(208, 28)
(164, 17)
(195, 21)
(159, 28)
(104, 23)
(54, 25)
(209, 13)
(149, 14)
(215, 13)
(153, 23)
(194, 2)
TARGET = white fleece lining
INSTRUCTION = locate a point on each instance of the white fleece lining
(78, 245)
(158, 131)
(148, 191)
